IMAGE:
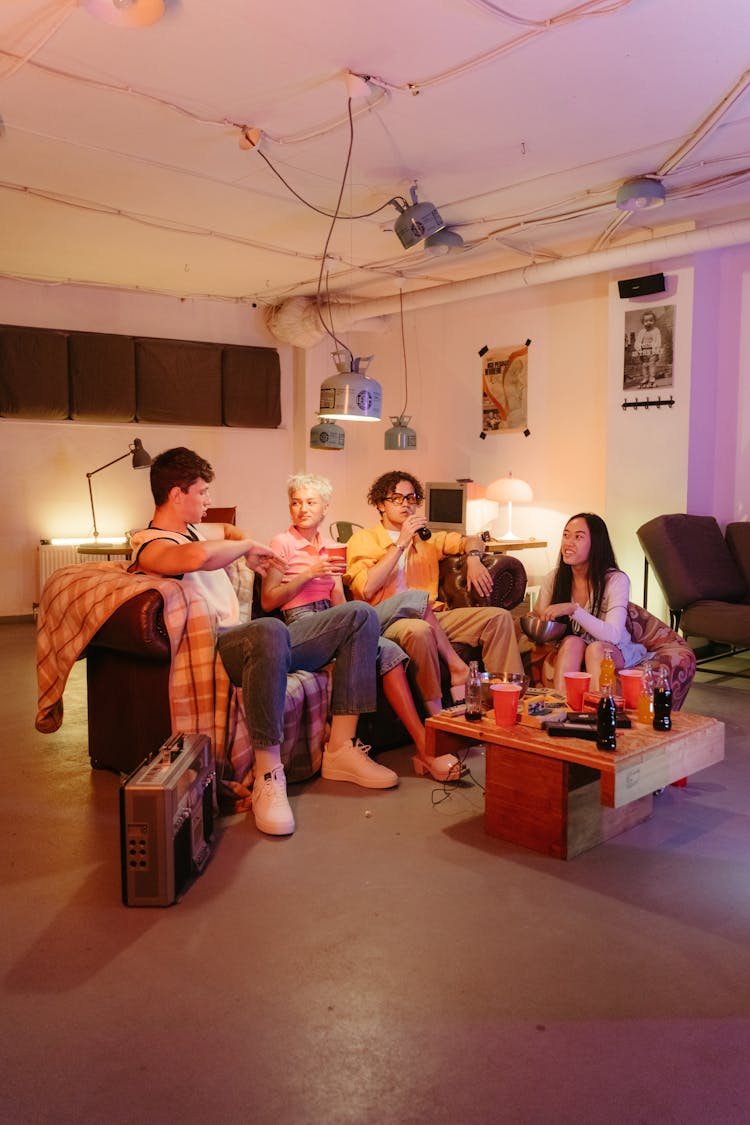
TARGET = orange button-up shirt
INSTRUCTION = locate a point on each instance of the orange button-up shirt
(367, 547)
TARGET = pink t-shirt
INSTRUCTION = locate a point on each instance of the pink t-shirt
(297, 554)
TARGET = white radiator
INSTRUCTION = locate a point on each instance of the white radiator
(51, 557)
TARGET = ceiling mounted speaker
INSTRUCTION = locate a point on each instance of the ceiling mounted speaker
(642, 286)
(640, 194)
(126, 13)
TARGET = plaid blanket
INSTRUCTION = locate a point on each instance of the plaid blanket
(75, 603)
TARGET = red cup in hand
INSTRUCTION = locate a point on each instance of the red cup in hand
(337, 555)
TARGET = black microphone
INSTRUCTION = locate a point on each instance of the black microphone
(424, 533)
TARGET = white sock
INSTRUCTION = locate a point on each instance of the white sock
(267, 758)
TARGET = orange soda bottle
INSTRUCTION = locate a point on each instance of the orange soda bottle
(607, 672)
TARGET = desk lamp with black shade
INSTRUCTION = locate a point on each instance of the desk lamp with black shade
(141, 460)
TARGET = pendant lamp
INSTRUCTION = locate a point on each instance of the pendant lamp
(349, 395)
(327, 435)
(126, 13)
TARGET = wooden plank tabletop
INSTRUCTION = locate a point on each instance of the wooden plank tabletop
(645, 759)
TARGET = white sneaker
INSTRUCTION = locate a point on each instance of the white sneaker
(272, 811)
(352, 762)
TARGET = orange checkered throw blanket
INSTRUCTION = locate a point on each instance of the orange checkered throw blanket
(75, 603)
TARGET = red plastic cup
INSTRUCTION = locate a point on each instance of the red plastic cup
(337, 555)
(631, 680)
(576, 684)
(505, 698)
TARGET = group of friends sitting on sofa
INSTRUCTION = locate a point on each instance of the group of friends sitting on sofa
(392, 614)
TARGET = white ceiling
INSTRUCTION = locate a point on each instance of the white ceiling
(120, 162)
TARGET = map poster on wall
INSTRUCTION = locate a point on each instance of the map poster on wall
(504, 389)
(649, 348)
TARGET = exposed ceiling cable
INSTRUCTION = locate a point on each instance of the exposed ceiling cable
(147, 220)
(703, 130)
(65, 11)
(581, 11)
(565, 17)
(334, 217)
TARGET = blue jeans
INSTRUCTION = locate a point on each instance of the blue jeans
(258, 656)
(389, 653)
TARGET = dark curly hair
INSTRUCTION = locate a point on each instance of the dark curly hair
(179, 467)
(601, 561)
(383, 487)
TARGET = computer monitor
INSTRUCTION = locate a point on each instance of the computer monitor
(445, 505)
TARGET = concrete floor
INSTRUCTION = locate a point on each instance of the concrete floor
(388, 963)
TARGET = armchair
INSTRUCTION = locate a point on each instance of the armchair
(663, 645)
(704, 575)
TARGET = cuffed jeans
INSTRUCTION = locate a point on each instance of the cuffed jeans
(258, 656)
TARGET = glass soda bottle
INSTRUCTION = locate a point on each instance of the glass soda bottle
(646, 698)
(607, 672)
(662, 700)
(606, 720)
(473, 693)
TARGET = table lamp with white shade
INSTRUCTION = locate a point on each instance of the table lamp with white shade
(509, 490)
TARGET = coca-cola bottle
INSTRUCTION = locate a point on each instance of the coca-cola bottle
(662, 700)
(473, 710)
(606, 720)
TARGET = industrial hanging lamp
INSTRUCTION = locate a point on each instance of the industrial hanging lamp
(401, 436)
(327, 435)
(417, 221)
(349, 395)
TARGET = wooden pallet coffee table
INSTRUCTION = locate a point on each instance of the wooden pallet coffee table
(562, 796)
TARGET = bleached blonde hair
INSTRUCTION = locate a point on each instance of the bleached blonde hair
(322, 485)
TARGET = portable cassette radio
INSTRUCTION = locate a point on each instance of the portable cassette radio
(167, 821)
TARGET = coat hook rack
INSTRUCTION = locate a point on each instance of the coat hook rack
(636, 404)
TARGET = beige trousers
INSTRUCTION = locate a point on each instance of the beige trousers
(492, 629)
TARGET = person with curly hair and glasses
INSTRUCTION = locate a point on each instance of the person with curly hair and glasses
(391, 556)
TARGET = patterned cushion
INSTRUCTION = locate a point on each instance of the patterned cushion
(664, 647)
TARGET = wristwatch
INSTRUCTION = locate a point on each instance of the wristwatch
(475, 551)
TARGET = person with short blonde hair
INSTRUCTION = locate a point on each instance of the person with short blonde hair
(310, 583)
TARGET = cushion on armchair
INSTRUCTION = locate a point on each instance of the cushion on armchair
(508, 582)
(665, 647)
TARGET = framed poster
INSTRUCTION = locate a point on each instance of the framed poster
(504, 389)
(648, 358)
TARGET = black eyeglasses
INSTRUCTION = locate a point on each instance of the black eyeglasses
(397, 498)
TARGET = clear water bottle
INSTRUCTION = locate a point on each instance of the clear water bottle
(606, 720)
(646, 698)
(473, 693)
(662, 700)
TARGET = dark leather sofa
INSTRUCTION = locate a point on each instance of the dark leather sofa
(128, 669)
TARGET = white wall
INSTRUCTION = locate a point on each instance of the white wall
(583, 453)
(44, 464)
(565, 457)
(647, 448)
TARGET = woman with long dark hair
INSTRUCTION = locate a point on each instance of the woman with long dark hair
(589, 592)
